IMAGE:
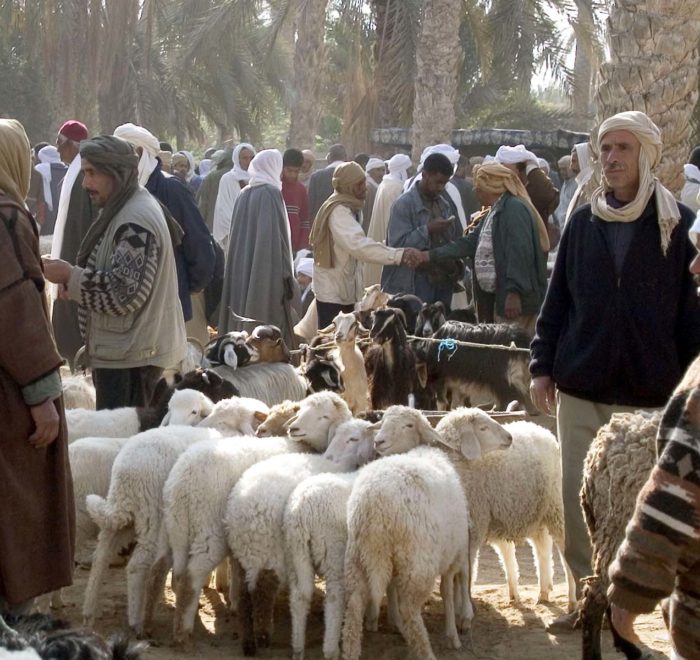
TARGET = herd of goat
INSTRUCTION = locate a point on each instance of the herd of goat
(248, 470)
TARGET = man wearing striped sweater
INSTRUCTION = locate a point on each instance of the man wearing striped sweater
(660, 556)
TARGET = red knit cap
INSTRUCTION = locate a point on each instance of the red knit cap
(74, 130)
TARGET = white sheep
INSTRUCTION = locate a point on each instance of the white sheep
(253, 521)
(315, 531)
(134, 500)
(319, 416)
(187, 407)
(236, 416)
(276, 422)
(352, 363)
(513, 495)
(116, 423)
(78, 392)
(408, 523)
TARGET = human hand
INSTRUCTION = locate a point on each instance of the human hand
(46, 421)
(542, 394)
(513, 306)
(623, 622)
(56, 270)
(439, 225)
(63, 292)
(412, 257)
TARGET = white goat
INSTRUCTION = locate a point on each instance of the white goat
(408, 523)
(352, 363)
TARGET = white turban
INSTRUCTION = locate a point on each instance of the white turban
(47, 155)
(519, 154)
(238, 172)
(649, 136)
(398, 167)
(266, 167)
(445, 149)
(543, 165)
(374, 163)
(205, 166)
(140, 137)
(306, 267)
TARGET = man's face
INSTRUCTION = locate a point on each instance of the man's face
(290, 174)
(619, 156)
(359, 189)
(303, 280)
(433, 183)
(66, 148)
(96, 183)
(308, 164)
(181, 168)
(574, 165)
(245, 157)
(377, 174)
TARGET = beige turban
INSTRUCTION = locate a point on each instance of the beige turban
(494, 178)
(345, 176)
(15, 160)
(649, 136)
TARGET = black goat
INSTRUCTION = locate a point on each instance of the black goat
(230, 349)
(409, 304)
(433, 316)
(390, 363)
(465, 375)
(53, 638)
(320, 370)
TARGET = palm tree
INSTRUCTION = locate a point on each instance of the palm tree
(653, 67)
(437, 64)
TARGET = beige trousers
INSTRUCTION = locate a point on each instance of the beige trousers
(197, 326)
(578, 421)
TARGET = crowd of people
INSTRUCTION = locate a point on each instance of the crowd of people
(149, 247)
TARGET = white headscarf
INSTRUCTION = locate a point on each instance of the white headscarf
(398, 167)
(266, 167)
(190, 160)
(694, 233)
(140, 137)
(305, 267)
(584, 162)
(238, 172)
(47, 155)
(205, 166)
(519, 154)
(649, 136)
(374, 163)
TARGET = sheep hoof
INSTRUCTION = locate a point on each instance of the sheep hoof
(454, 642)
(543, 598)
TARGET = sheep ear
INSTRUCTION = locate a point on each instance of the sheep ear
(260, 415)
(290, 422)
(470, 448)
(375, 427)
(428, 434)
(422, 373)
(166, 419)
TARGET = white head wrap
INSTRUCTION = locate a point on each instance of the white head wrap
(205, 166)
(584, 162)
(266, 167)
(47, 155)
(398, 166)
(238, 172)
(649, 136)
(543, 165)
(216, 156)
(444, 149)
(374, 163)
(519, 154)
(305, 267)
(190, 160)
(140, 137)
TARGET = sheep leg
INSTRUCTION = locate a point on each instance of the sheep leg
(106, 546)
(137, 571)
(447, 592)
(414, 593)
(222, 577)
(392, 600)
(245, 613)
(155, 586)
(595, 602)
(234, 585)
(570, 579)
(541, 543)
(333, 616)
(301, 590)
(357, 597)
(506, 552)
(465, 607)
(264, 596)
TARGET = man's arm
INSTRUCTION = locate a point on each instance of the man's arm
(402, 232)
(348, 234)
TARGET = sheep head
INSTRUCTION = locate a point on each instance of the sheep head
(318, 417)
(402, 429)
(473, 433)
(279, 415)
(187, 407)
(352, 444)
(238, 416)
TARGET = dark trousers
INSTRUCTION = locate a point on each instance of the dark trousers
(328, 311)
(117, 388)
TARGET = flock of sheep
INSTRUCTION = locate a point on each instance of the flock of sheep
(375, 504)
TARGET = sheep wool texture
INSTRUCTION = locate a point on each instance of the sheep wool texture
(37, 512)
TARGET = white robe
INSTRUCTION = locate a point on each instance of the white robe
(388, 192)
(229, 189)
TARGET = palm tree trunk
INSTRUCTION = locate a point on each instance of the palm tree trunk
(584, 30)
(309, 65)
(437, 61)
(653, 67)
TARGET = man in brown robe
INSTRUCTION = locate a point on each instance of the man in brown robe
(37, 524)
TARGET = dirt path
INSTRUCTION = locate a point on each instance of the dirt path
(500, 630)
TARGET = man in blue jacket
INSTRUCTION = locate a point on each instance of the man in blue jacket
(620, 321)
(194, 257)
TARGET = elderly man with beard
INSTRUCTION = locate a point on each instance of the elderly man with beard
(124, 279)
(340, 246)
(620, 322)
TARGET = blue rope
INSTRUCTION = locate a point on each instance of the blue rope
(447, 345)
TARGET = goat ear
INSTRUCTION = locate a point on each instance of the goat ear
(278, 342)
(230, 357)
(260, 415)
(205, 377)
(470, 448)
(177, 377)
(439, 305)
(422, 373)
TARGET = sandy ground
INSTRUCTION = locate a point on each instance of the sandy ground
(500, 629)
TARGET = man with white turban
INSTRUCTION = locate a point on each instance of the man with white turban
(259, 284)
(194, 256)
(340, 246)
(375, 170)
(230, 187)
(52, 171)
(621, 321)
(690, 195)
(388, 192)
